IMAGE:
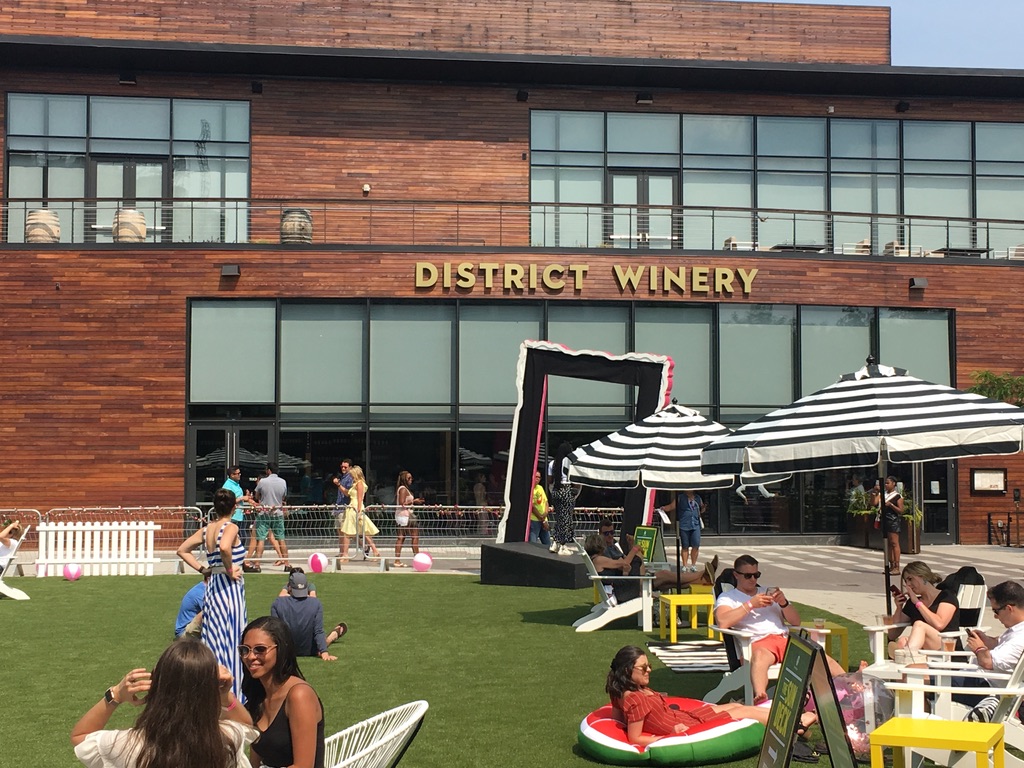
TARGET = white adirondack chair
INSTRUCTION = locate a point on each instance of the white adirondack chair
(608, 610)
(738, 650)
(910, 702)
(7, 590)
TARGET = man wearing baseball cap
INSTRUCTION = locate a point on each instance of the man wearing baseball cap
(304, 615)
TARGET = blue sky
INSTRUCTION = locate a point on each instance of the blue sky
(952, 33)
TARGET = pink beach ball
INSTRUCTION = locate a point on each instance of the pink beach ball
(422, 562)
(72, 571)
(317, 562)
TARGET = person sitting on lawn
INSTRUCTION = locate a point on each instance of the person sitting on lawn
(765, 613)
(190, 717)
(646, 714)
(190, 613)
(9, 536)
(303, 614)
(632, 565)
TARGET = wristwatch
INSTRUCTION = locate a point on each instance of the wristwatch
(108, 696)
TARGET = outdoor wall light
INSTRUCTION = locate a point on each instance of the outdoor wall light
(918, 283)
(902, 106)
(127, 78)
(257, 86)
(522, 95)
(645, 98)
(230, 270)
(366, 189)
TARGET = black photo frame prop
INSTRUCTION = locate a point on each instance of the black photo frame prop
(804, 667)
(651, 375)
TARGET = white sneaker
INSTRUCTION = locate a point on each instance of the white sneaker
(553, 548)
(566, 551)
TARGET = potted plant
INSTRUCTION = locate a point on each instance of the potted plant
(864, 513)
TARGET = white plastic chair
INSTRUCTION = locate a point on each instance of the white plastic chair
(5, 589)
(608, 610)
(378, 742)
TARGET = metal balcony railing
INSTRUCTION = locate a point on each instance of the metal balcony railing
(502, 225)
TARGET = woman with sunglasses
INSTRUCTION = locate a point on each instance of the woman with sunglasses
(284, 707)
(649, 717)
(190, 716)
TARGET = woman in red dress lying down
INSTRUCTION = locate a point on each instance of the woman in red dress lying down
(648, 717)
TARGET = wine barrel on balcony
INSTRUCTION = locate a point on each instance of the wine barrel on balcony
(129, 226)
(42, 226)
(296, 226)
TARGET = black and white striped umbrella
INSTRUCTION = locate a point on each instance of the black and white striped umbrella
(874, 415)
(662, 452)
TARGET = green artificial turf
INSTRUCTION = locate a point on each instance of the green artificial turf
(507, 678)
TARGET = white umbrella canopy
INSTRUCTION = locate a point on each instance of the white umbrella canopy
(662, 451)
(874, 415)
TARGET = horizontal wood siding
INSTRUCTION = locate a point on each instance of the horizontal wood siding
(684, 29)
(94, 373)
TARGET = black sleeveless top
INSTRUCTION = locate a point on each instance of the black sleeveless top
(274, 746)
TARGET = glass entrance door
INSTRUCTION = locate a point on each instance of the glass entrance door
(130, 182)
(642, 214)
(937, 481)
(212, 448)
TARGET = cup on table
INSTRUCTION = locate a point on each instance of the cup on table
(819, 623)
(949, 644)
(888, 620)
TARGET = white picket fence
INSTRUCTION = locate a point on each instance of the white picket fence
(101, 548)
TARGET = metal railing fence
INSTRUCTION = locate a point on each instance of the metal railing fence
(469, 224)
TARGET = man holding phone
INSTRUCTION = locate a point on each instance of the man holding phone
(767, 614)
(998, 654)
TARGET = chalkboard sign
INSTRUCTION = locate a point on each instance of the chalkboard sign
(645, 537)
(804, 667)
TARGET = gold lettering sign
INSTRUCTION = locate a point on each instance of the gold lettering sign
(652, 279)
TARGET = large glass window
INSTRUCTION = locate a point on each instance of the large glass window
(489, 340)
(917, 340)
(411, 351)
(101, 146)
(232, 352)
(756, 354)
(684, 334)
(833, 341)
(594, 327)
(322, 353)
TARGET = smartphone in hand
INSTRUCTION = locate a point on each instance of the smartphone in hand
(894, 589)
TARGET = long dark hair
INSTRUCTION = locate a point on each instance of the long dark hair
(620, 676)
(286, 665)
(404, 478)
(223, 502)
(180, 722)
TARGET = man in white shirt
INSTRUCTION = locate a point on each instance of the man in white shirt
(997, 654)
(767, 614)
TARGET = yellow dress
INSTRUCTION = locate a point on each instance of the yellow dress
(349, 526)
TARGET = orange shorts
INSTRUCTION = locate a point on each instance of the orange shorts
(774, 644)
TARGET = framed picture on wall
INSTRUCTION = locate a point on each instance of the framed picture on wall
(988, 482)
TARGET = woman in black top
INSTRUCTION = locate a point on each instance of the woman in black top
(284, 707)
(926, 608)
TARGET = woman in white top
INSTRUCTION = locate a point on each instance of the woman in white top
(405, 517)
(191, 717)
(8, 540)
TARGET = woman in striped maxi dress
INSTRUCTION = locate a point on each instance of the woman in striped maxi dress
(224, 615)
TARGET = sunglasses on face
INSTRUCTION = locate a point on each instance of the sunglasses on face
(995, 611)
(607, 533)
(644, 668)
(754, 575)
(255, 650)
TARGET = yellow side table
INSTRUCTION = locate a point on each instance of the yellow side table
(669, 604)
(903, 732)
(835, 632)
